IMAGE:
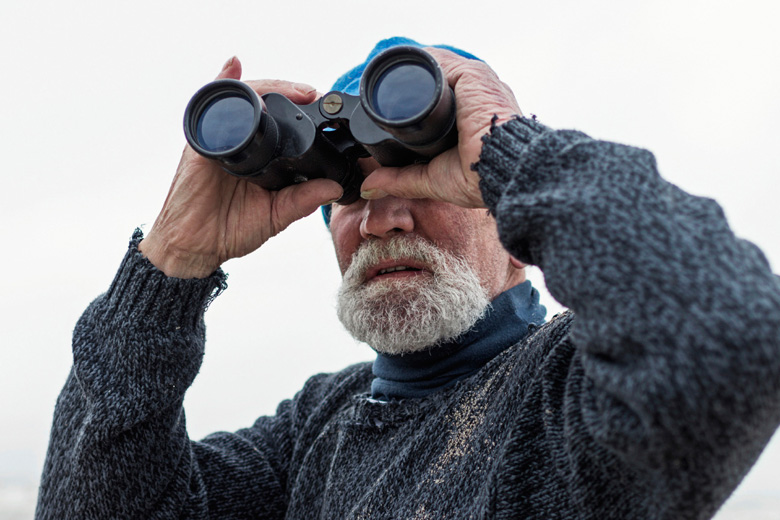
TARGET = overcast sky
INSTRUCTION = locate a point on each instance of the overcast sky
(90, 132)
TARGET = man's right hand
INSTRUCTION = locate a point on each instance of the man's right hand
(210, 216)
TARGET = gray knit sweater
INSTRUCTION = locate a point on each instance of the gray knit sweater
(650, 401)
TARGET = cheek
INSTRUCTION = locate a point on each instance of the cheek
(477, 241)
(345, 232)
(343, 257)
(470, 233)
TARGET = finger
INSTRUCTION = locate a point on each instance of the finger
(300, 200)
(441, 179)
(408, 182)
(300, 93)
(231, 69)
(476, 77)
(452, 65)
(455, 66)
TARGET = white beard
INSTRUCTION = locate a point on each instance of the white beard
(401, 316)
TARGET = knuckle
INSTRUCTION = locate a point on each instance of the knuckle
(264, 86)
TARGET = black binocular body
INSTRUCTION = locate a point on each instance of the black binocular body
(405, 113)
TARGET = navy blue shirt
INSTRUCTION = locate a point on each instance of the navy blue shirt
(510, 317)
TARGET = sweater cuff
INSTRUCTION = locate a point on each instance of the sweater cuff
(500, 156)
(142, 292)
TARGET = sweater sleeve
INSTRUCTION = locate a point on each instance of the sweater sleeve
(119, 446)
(677, 321)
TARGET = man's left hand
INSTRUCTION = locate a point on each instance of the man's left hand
(479, 96)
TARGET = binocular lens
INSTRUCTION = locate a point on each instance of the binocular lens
(403, 91)
(225, 123)
(405, 113)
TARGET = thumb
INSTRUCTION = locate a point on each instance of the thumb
(231, 69)
(408, 182)
(300, 200)
(442, 179)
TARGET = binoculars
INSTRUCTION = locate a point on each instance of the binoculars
(405, 113)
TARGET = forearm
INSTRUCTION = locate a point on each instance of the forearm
(678, 321)
(119, 442)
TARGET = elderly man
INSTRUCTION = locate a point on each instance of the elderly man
(652, 399)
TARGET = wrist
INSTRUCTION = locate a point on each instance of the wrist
(174, 262)
(501, 154)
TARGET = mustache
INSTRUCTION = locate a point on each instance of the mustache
(397, 318)
(374, 251)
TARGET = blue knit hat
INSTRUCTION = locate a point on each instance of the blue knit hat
(349, 83)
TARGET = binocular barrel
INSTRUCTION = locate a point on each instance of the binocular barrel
(228, 122)
(405, 113)
(404, 92)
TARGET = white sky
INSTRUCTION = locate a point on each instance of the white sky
(90, 133)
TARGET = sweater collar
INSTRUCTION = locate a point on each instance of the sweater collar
(507, 321)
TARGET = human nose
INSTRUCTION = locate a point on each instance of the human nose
(386, 217)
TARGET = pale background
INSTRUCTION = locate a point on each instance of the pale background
(92, 98)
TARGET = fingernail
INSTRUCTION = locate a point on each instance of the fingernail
(228, 63)
(303, 88)
(334, 200)
(372, 194)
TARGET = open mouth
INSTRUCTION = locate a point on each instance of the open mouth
(396, 269)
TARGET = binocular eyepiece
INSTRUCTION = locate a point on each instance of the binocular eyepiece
(405, 113)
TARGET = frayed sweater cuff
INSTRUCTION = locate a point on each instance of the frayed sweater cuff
(142, 292)
(500, 157)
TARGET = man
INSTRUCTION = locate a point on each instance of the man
(651, 400)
